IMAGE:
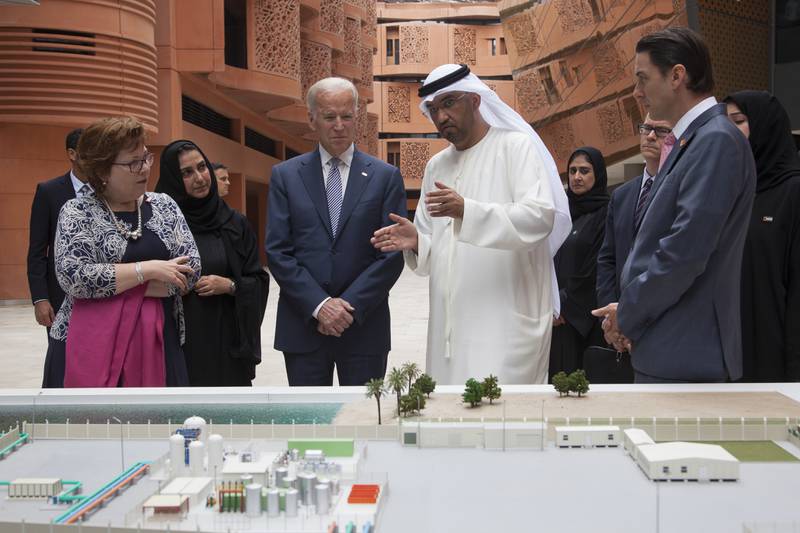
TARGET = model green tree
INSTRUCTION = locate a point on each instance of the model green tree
(413, 402)
(578, 383)
(376, 389)
(561, 383)
(412, 372)
(473, 392)
(426, 384)
(490, 388)
(396, 380)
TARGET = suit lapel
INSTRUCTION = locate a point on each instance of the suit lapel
(626, 212)
(356, 182)
(311, 174)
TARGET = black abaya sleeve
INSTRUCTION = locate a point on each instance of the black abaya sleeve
(578, 296)
(252, 287)
(791, 325)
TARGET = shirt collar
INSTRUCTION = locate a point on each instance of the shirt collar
(78, 184)
(346, 157)
(689, 117)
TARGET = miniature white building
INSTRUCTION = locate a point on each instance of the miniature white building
(634, 437)
(587, 436)
(34, 487)
(687, 461)
(234, 468)
(195, 488)
(489, 435)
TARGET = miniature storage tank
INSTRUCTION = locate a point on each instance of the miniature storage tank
(322, 493)
(291, 502)
(216, 454)
(253, 500)
(177, 454)
(196, 422)
(307, 481)
(280, 474)
(196, 453)
(273, 502)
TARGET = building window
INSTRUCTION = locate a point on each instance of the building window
(493, 46)
(684, 470)
(610, 436)
(64, 42)
(392, 45)
(562, 66)
(236, 33)
(203, 116)
(503, 49)
(548, 85)
(393, 154)
(409, 438)
(665, 470)
(578, 74)
(565, 437)
(260, 143)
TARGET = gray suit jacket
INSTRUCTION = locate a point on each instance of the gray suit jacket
(680, 284)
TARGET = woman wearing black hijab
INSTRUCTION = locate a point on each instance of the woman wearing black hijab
(576, 262)
(225, 309)
(771, 262)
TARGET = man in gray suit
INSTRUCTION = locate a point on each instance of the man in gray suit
(678, 313)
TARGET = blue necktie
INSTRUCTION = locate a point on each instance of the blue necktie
(84, 190)
(638, 214)
(334, 190)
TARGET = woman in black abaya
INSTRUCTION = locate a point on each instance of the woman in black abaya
(771, 263)
(225, 309)
(576, 262)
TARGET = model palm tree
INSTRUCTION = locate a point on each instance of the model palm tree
(412, 372)
(396, 381)
(375, 389)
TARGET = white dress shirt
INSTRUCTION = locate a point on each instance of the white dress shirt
(693, 113)
(345, 161)
(78, 184)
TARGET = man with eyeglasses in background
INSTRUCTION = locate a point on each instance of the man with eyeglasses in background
(620, 222)
(50, 196)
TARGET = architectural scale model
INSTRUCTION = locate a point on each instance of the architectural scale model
(340, 475)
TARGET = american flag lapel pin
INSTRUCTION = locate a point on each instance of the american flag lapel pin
(683, 143)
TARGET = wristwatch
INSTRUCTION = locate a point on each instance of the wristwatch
(233, 287)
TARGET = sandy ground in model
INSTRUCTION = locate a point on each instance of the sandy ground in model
(597, 405)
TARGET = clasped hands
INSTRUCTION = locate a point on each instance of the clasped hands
(402, 235)
(335, 316)
(611, 330)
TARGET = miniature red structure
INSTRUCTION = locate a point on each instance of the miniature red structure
(364, 494)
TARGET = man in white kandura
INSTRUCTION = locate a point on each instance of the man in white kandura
(494, 214)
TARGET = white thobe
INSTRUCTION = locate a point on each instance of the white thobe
(490, 272)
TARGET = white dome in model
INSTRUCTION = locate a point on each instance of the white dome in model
(196, 422)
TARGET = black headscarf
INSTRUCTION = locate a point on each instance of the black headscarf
(770, 138)
(597, 197)
(202, 214)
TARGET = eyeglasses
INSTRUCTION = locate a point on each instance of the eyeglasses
(447, 103)
(661, 131)
(137, 165)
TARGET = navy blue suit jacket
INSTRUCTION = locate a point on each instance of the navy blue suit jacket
(681, 283)
(309, 264)
(50, 197)
(617, 241)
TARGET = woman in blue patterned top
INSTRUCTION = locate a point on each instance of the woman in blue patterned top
(123, 256)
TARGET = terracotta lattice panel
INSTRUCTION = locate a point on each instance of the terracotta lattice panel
(277, 37)
(559, 137)
(331, 16)
(610, 121)
(608, 63)
(316, 60)
(464, 45)
(574, 14)
(372, 18)
(521, 29)
(413, 158)
(352, 38)
(366, 68)
(530, 93)
(399, 108)
(414, 44)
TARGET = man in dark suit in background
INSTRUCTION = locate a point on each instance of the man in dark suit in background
(50, 196)
(678, 313)
(621, 212)
(324, 207)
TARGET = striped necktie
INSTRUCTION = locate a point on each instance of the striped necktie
(84, 190)
(334, 191)
(640, 205)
